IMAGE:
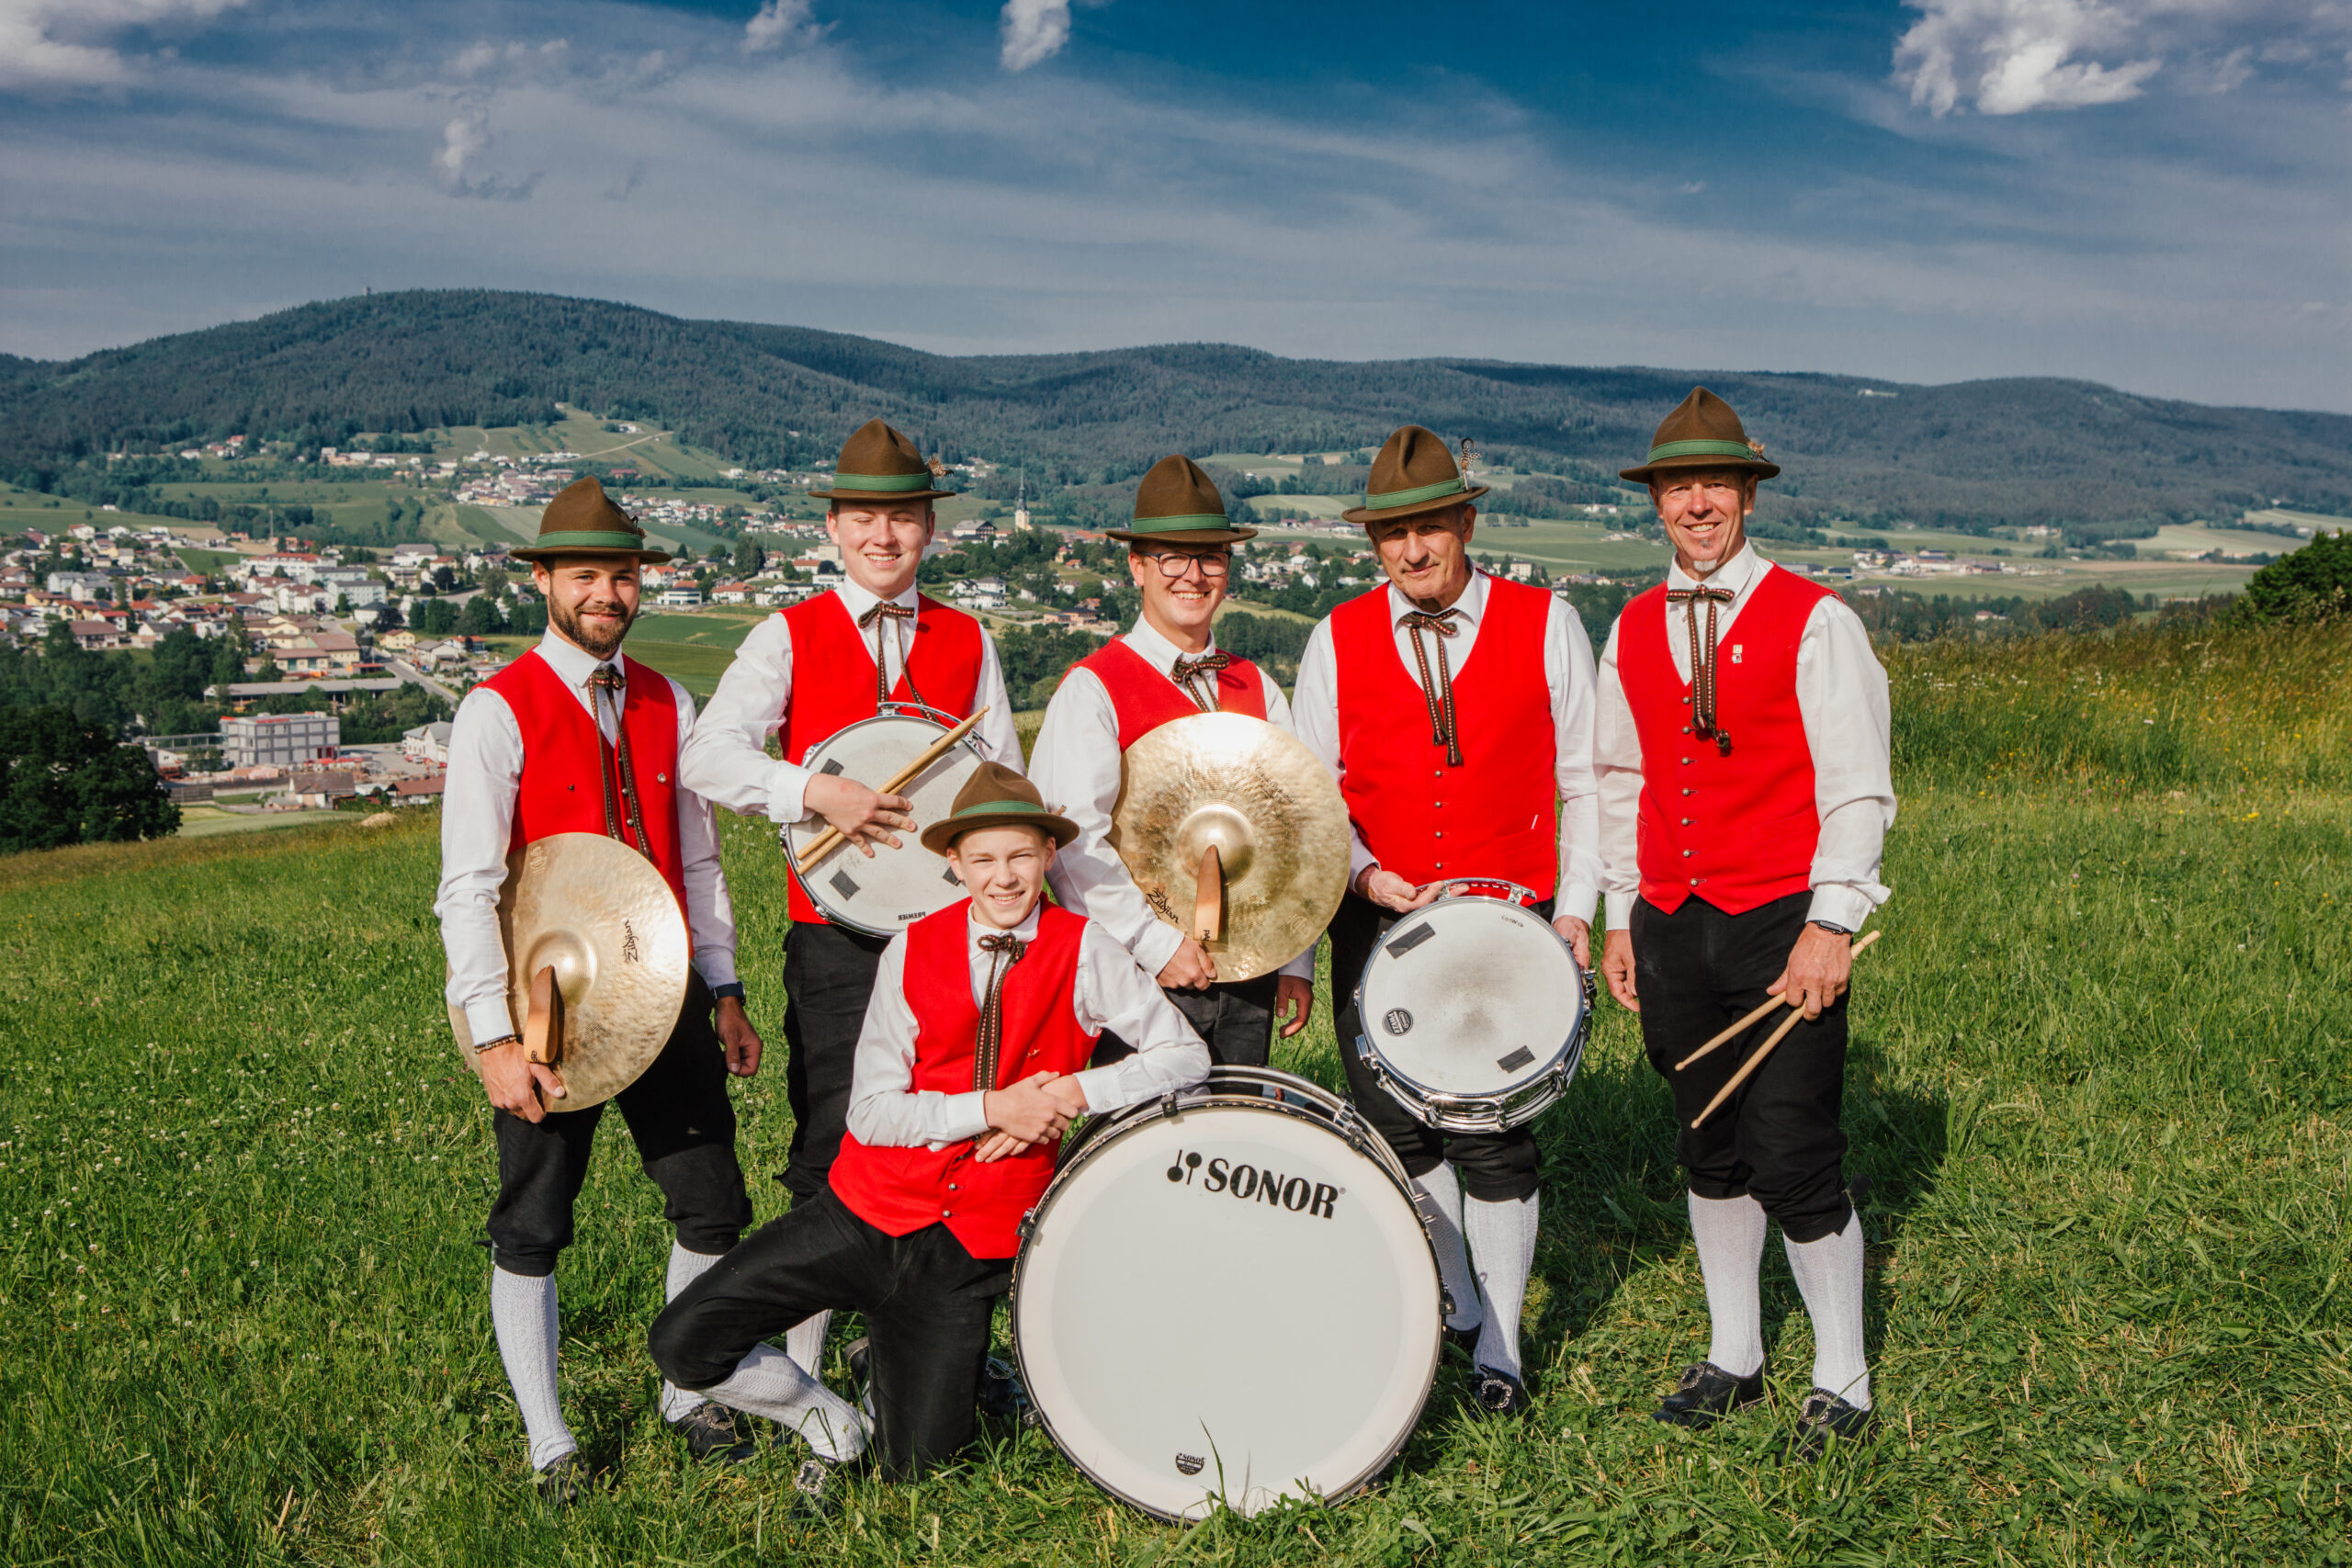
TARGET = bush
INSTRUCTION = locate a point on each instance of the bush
(65, 782)
(2314, 583)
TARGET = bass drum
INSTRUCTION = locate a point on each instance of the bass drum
(1227, 1296)
(883, 895)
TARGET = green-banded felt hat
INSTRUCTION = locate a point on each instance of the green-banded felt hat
(996, 796)
(1412, 473)
(1178, 504)
(1702, 433)
(584, 521)
(880, 467)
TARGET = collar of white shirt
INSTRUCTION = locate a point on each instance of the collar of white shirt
(858, 599)
(573, 663)
(1472, 602)
(1157, 650)
(1735, 574)
(976, 928)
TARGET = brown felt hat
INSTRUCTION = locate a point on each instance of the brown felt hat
(582, 521)
(996, 796)
(1702, 433)
(1178, 504)
(1412, 474)
(881, 465)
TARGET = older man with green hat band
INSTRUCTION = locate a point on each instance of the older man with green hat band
(1742, 749)
(1455, 710)
(1179, 553)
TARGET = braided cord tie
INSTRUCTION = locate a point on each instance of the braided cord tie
(888, 613)
(1702, 660)
(1203, 671)
(604, 684)
(1003, 952)
(1438, 693)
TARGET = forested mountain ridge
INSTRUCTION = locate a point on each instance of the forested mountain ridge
(1968, 454)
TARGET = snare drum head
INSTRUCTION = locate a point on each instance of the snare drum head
(899, 886)
(1471, 996)
(1229, 1302)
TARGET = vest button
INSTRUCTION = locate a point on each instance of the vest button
(946, 1213)
(1440, 833)
(1686, 855)
(1686, 762)
(951, 1187)
(1694, 882)
(661, 778)
(1686, 791)
(1686, 729)
(1687, 821)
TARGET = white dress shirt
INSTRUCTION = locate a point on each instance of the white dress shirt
(477, 824)
(728, 760)
(1078, 768)
(1841, 696)
(1109, 992)
(1568, 675)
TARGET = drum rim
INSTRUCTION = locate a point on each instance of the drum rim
(1122, 1122)
(797, 835)
(1570, 1050)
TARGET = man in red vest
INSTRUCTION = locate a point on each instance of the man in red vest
(574, 738)
(1455, 710)
(802, 676)
(972, 1062)
(1742, 747)
(1179, 553)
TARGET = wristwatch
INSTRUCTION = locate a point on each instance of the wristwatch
(1832, 927)
(733, 989)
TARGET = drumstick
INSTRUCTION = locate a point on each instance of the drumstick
(1749, 1067)
(1776, 1001)
(832, 838)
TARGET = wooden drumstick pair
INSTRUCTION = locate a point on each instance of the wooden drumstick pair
(832, 838)
(1748, 1068)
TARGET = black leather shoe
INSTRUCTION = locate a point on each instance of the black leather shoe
(561, 1483)
(1705, 1394)
(1495, 1396)
(813, 1491)
(711, 1432)
(1824, 1420)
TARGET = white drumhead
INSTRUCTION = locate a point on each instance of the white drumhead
(899, 886)
(1471, 996)
(1186, 1338)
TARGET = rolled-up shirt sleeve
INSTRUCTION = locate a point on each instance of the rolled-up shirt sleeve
(477, 821)
(726, 760)
(1112, 993)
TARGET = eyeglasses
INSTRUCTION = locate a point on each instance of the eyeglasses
(1173, 562)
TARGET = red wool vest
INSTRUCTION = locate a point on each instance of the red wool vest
(561, 790)
(1144, 698)
(1737, 832)
(832, 680)
(1496, 815)
(901, 1191)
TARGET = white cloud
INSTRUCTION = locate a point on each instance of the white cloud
(1034, 31)
(778, 22)
(70, 43)
(463, 141)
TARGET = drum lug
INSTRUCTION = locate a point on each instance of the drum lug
(1167, 1105)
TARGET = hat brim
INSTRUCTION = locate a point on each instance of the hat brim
(884, 498)
(1182, 535)
(1366, 515)
(548, 546)
(1642, 475)
(941, 836)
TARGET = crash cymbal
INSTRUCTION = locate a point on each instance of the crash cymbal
(1240, 787)
(603, 919)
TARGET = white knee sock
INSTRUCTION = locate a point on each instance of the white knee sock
(805, 1343)
(685, 1268)
(769, 1382)
(1438, 1195)
(1730, 1234)
(1502, 1249)
(522, 1311)
(1829, 1277)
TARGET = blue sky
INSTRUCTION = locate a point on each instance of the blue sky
(2152, 193)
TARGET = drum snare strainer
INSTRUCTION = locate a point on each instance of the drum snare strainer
(1474, 1012)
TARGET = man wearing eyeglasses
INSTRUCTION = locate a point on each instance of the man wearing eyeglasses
(1179, 553)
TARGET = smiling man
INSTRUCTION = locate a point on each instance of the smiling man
(574, 738)
(1455, 710)
(802, 676)
(1180, 552)
(1742, 750)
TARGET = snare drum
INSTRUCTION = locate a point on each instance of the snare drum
(889, 893)
(1474, 1012)
(1226, 1295)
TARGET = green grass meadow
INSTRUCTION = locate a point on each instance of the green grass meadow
(2101, 1079)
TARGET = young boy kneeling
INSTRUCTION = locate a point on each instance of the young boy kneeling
(967, 1073)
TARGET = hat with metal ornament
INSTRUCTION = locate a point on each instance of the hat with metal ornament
(1412, 473)
(1702, 433)
(584, 521)
(996, 796)
(1178, 504)
(880, 467)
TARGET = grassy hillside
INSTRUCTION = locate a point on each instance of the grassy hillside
(1975, 452)
(2101, 1077)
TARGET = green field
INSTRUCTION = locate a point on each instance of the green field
(692, 649)
(2101, 1077)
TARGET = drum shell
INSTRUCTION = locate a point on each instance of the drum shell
(876, 750)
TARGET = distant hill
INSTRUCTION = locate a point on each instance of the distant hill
(1969, 454)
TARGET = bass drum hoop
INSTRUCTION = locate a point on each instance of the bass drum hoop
(1504, 1109)
(794, 835)
(1345, 1122)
